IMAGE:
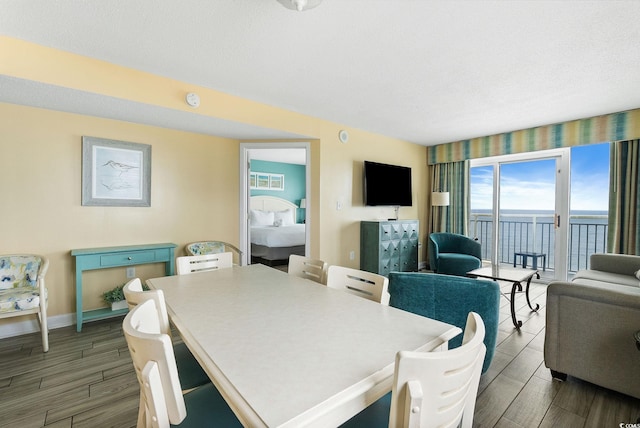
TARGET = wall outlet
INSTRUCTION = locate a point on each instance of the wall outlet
(131, 272)
(352, 255)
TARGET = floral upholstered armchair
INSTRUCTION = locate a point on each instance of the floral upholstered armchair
(212, 247)
(22, 289)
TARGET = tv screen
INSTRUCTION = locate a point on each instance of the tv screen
(388, 185)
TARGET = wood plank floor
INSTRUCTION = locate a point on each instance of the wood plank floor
(87, 380)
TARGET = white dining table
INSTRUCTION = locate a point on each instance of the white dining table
(288, 352)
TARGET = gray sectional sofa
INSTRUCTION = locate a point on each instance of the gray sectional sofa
(591, 322)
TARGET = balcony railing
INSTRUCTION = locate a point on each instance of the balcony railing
(531, 232)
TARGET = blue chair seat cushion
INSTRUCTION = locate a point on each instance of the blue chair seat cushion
(376, 415)
(457, 264)
(19, 299)
(203, 402)
(190, 372)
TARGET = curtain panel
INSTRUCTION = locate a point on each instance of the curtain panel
(450, 177)
(624, 210)
(611, 127)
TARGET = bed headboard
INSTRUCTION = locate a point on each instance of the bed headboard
(271, 203)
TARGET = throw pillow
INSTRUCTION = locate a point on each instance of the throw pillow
(261, 218)
(286, 216)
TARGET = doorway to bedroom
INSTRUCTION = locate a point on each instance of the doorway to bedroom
(274, 202)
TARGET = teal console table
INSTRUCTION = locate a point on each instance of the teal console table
(108, 257)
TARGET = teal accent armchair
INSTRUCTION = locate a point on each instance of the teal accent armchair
(449, 299)
(453, 254)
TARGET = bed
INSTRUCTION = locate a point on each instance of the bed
(275, 235)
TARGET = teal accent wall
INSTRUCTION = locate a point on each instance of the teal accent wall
(294, 182)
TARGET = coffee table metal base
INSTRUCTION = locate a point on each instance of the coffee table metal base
(516, 277)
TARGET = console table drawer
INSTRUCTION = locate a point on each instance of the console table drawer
(123, 259)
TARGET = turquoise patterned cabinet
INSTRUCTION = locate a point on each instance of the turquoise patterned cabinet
(108, 257)
(388, 246)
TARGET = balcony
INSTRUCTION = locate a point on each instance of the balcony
(534, 232)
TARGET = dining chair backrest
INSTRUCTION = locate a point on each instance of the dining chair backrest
(193, 264)
(439, 388)
(155, 412)
(304, 267)
(361, 283)
(134, 295)
(146, 343)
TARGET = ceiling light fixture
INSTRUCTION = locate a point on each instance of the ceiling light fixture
(300, 5)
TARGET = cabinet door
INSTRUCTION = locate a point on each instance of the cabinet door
(410, 230)
(389, 257)
(409, 246)
(387, 232)
(409, 255)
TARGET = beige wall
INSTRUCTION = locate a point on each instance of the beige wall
(41, 173)
(341, 182)
(42, 210)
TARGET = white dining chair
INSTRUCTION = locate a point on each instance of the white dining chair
(361, 283)
(431, 389)
(305, 267)
(161, 399)
(186, 265)
(189, 369)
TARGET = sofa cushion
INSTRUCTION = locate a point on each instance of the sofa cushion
(592, 277)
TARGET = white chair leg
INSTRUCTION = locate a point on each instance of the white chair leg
(44, 330)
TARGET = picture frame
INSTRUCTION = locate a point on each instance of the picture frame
(115, 173)
(276, 181)
(266, 181)
(262, 181)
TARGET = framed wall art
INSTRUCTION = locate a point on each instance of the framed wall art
(276, 181)
(266, 181)
(115, 173)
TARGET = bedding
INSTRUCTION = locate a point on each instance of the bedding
(278, 236)
(274, 232)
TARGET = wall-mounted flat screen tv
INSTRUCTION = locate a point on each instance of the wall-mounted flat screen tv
(388, 185)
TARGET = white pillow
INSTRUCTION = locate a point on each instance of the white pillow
(261, 218)
(637, 273)
(286, 216)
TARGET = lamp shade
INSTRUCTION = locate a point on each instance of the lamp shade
(440, 199)
(303, 203)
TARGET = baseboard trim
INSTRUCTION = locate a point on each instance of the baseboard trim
(30, 325)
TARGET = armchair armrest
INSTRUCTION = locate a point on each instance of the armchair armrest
(589, 334)
(612, 294)
(615, 263)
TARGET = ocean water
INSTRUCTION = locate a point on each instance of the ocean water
(533, 231)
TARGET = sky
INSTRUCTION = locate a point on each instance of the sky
(531, 185)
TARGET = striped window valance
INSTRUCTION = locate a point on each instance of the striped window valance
(610, 127)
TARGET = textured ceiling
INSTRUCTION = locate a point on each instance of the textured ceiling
(422, 71)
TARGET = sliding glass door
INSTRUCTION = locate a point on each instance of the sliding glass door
(519, 207)
(549, 208)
